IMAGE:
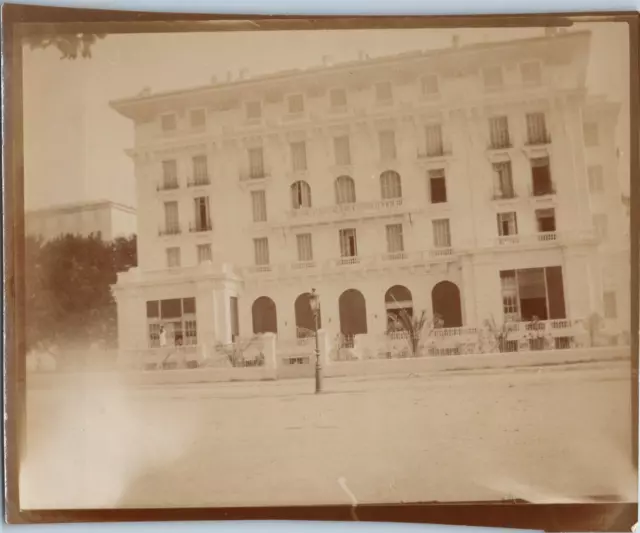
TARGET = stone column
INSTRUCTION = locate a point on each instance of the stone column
(205, 315)
(270, 355)
(468, 293)
(576, 277)
(222, 318)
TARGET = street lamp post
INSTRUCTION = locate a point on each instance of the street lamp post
(314, 302)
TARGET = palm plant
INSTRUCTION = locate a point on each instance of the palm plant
(499, 332)
(414, 326)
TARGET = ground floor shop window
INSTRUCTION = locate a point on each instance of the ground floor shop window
(531, 294)
(172, 322)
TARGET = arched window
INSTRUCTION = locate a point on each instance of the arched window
(305, 320)
(399, 305)
(390, 185)
(353, 312)
(300, 194)
(345, 190)
(445, 300)
(264, 316)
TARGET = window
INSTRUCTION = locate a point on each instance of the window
(591, 134)
(499, 132)
(430, 86)
(348, 243)
(261, 251)
(509, 286)
(345, 190)
(596, 184)
(299, 156)
(300, 195)
(610, 305)
(256, 163)
(342, 150)
(259, 206)
(433, 135)
(178, 319)
(254, 110)
(437, 186)
(441, 233)
(200, 170)
(202, 214)
(171, 220)
(384, 92)
(537, 129)
(541, 176)
(305, 249)
(168, 122)
(493, 78)
(173, 257)
(507, 224)
(533, 293)
(546, 220)
(387, 140)
(204, 253)
(197, 118)
(390, 185)
(170, 174)
(295, 103)
(338, 98)
(503, 180)
(531, 73)
(395, 241)
(601, 224)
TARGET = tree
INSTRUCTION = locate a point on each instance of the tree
(499, 333)
(68, 289)
(414, 327)
(70, 46)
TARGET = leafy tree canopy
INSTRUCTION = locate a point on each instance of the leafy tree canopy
(70, 46)
(68, 289)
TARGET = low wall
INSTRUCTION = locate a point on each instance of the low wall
(367, 367)
(476, 361)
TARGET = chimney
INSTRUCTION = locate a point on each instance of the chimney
(327, 61)
(455, 41)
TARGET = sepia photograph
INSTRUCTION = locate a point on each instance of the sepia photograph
(306, 267)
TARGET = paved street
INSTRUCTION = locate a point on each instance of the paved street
(548, 434)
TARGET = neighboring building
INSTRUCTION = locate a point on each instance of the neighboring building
(454, 181)
(108, 219)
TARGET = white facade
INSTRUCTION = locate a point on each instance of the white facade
(248, 170)
(109, 219)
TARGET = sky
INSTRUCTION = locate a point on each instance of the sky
(74, 142)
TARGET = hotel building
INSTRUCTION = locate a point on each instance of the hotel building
(475, 182)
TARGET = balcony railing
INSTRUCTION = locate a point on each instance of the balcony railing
(500, 144)
(504, 195)
(254, 175)
(199, 181)
(343, 209)
(542, 237)
(170, 230)
(301, 265)
(198, 227)
(539, 139)
(543, 190)
(430, 153)
(168, 186)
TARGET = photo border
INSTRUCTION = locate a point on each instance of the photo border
(21, 20)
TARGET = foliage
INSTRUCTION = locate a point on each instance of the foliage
(414, 326)
(235, 352)
(68, 293)
(70, 46)
(499, 333)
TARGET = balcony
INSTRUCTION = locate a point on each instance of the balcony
(504, 195)
(200, 227)
(547, 237)
(541, 139)
(170, 230)
(346, 211)
(433, 153)
(500, 144)
(378, 261)
(199, 181)
(255, 178)
(545, 189)
(168, 186)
